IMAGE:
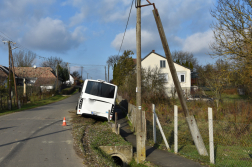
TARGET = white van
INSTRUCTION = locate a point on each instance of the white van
(97, 98)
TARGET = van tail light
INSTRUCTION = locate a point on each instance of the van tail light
(80, 103)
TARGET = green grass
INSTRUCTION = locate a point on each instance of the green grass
(230, 149)
(227, 97)
(89, 134)
(228, 156)
(35, 104)
(232, 130)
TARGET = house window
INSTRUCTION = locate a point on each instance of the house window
(181, 76)
(164, 76)
(162, 63)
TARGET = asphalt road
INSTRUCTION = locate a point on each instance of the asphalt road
(35, 137)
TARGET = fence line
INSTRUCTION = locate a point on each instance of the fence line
(211, 141)
(33, 94)
(175, 129)
(230, 143)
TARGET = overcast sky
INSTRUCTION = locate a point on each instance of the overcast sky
(85, 32)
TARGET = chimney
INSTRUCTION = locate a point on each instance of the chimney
(153, 51)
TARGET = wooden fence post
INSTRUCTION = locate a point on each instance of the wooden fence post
(1, 102)
(14, 102)
(9, 104)
(19, 104)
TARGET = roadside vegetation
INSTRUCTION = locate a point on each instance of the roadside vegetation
(34, 99)
(227, 82)
(232, 114)
(232, 129)
(89, 134)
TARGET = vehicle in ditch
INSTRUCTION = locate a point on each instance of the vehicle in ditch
(97, 98)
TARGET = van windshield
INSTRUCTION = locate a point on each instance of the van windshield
(100, 89)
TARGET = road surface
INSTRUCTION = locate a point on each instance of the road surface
(35, 137)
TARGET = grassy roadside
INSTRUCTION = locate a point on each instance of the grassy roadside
(89, 134)
(228, 149)
(37, 103)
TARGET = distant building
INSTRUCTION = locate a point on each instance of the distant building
(4, 72)
(70, 81)
(43, 77)
(154, 60)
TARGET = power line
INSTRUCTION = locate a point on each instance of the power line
(87, 64)
(126, 27)
(5, 36)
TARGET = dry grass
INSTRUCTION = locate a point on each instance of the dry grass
(89, 134)
(232, 128)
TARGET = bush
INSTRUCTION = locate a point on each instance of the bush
(232, 91)
(68, 91)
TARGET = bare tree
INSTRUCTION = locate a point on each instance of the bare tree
(184, 57)
(233, 37)
(76, 75)
(112, 60)
(217, 78)
(24, 59)
(53, 62)
(232, 29)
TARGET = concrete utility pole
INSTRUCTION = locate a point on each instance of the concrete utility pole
(13, 70)
(81, 71)
(9, 46)
(87, 75)
(68, 69)
(105, 74)
(108, 73)
(57, 73)
(190, 119)
(140, 137)
(24, 82)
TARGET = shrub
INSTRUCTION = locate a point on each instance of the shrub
(68, 91)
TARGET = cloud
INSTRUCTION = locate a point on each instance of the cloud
(75, 3)
(180, 20)
(148, 40)
(19, 9)
(52, 35)
(78, 17)
(198, 42)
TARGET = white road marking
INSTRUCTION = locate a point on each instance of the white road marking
(67, 141)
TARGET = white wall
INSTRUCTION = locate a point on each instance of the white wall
(153, 61)
(70, 81)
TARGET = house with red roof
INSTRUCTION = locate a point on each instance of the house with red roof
(43, 77)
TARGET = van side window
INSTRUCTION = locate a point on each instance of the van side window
(100, 89)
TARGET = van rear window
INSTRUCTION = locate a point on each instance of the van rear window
(100, 89)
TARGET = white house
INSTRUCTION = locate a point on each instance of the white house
(70, 81)
(154, 60)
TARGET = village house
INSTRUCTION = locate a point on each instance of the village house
(3, 75)
(43, 77)
(154, 60)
